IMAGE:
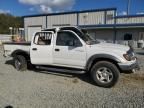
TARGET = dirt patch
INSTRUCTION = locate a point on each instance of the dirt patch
(134, 80)
(137, 77)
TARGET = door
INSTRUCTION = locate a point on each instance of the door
(41, 48)
(69, 50)
(32, 30)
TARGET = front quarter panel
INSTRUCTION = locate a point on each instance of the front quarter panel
(105, 52)
(97, 51)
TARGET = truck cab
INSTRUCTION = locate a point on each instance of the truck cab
(60, 48)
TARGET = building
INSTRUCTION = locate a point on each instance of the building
(102, 24)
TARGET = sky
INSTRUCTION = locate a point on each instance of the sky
(30, 7)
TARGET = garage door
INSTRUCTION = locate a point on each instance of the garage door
(32, 30)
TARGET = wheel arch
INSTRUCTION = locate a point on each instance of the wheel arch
(21, 52)
(101, 57)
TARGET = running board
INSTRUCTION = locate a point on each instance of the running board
(63, 70)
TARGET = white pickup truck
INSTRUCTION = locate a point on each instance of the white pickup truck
(73, 50)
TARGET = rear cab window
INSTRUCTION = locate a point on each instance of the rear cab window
(43, 38)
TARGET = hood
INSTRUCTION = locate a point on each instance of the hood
(114, 46)
(104, 47)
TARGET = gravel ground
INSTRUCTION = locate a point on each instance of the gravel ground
(42, 89)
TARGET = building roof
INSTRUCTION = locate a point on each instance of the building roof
(72, 12)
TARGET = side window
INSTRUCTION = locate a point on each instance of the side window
(64, 37)
(43, 38)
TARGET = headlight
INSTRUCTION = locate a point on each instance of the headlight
(127, 57)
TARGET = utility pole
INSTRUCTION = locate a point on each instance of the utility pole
(128, 7)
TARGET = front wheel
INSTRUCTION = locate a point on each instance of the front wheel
(20, 63)
(105, 74)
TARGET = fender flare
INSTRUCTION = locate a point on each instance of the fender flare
(100, 56)
(21, 52)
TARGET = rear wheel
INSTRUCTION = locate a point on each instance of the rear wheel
(20, 63)
(105, 74)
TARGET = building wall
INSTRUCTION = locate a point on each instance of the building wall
(111, 15)
(135, 35)
(130, 20)
(122, 32)
(34, 22)
(71, 19)
(108, 35)
(91, 18)
(61, 20)
(98, 20)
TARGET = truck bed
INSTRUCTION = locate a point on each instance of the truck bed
(10, 47)
(17, 43)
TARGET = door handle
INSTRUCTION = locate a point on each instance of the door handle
(34, 49)
(57, 49)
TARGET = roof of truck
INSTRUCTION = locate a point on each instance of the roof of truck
(73, 28)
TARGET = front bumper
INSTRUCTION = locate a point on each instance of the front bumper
(129, 66)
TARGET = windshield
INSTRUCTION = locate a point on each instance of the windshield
(83, 34)
(88, 38)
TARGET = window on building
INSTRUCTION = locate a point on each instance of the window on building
(43, 38)
(64, 37)
(128, 36)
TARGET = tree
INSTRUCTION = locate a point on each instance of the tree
(7, 20)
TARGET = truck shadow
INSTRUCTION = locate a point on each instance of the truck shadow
(83, 77)
(10, 62)
(75, 77)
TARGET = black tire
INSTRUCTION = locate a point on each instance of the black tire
(105, 74)
(20, 63)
